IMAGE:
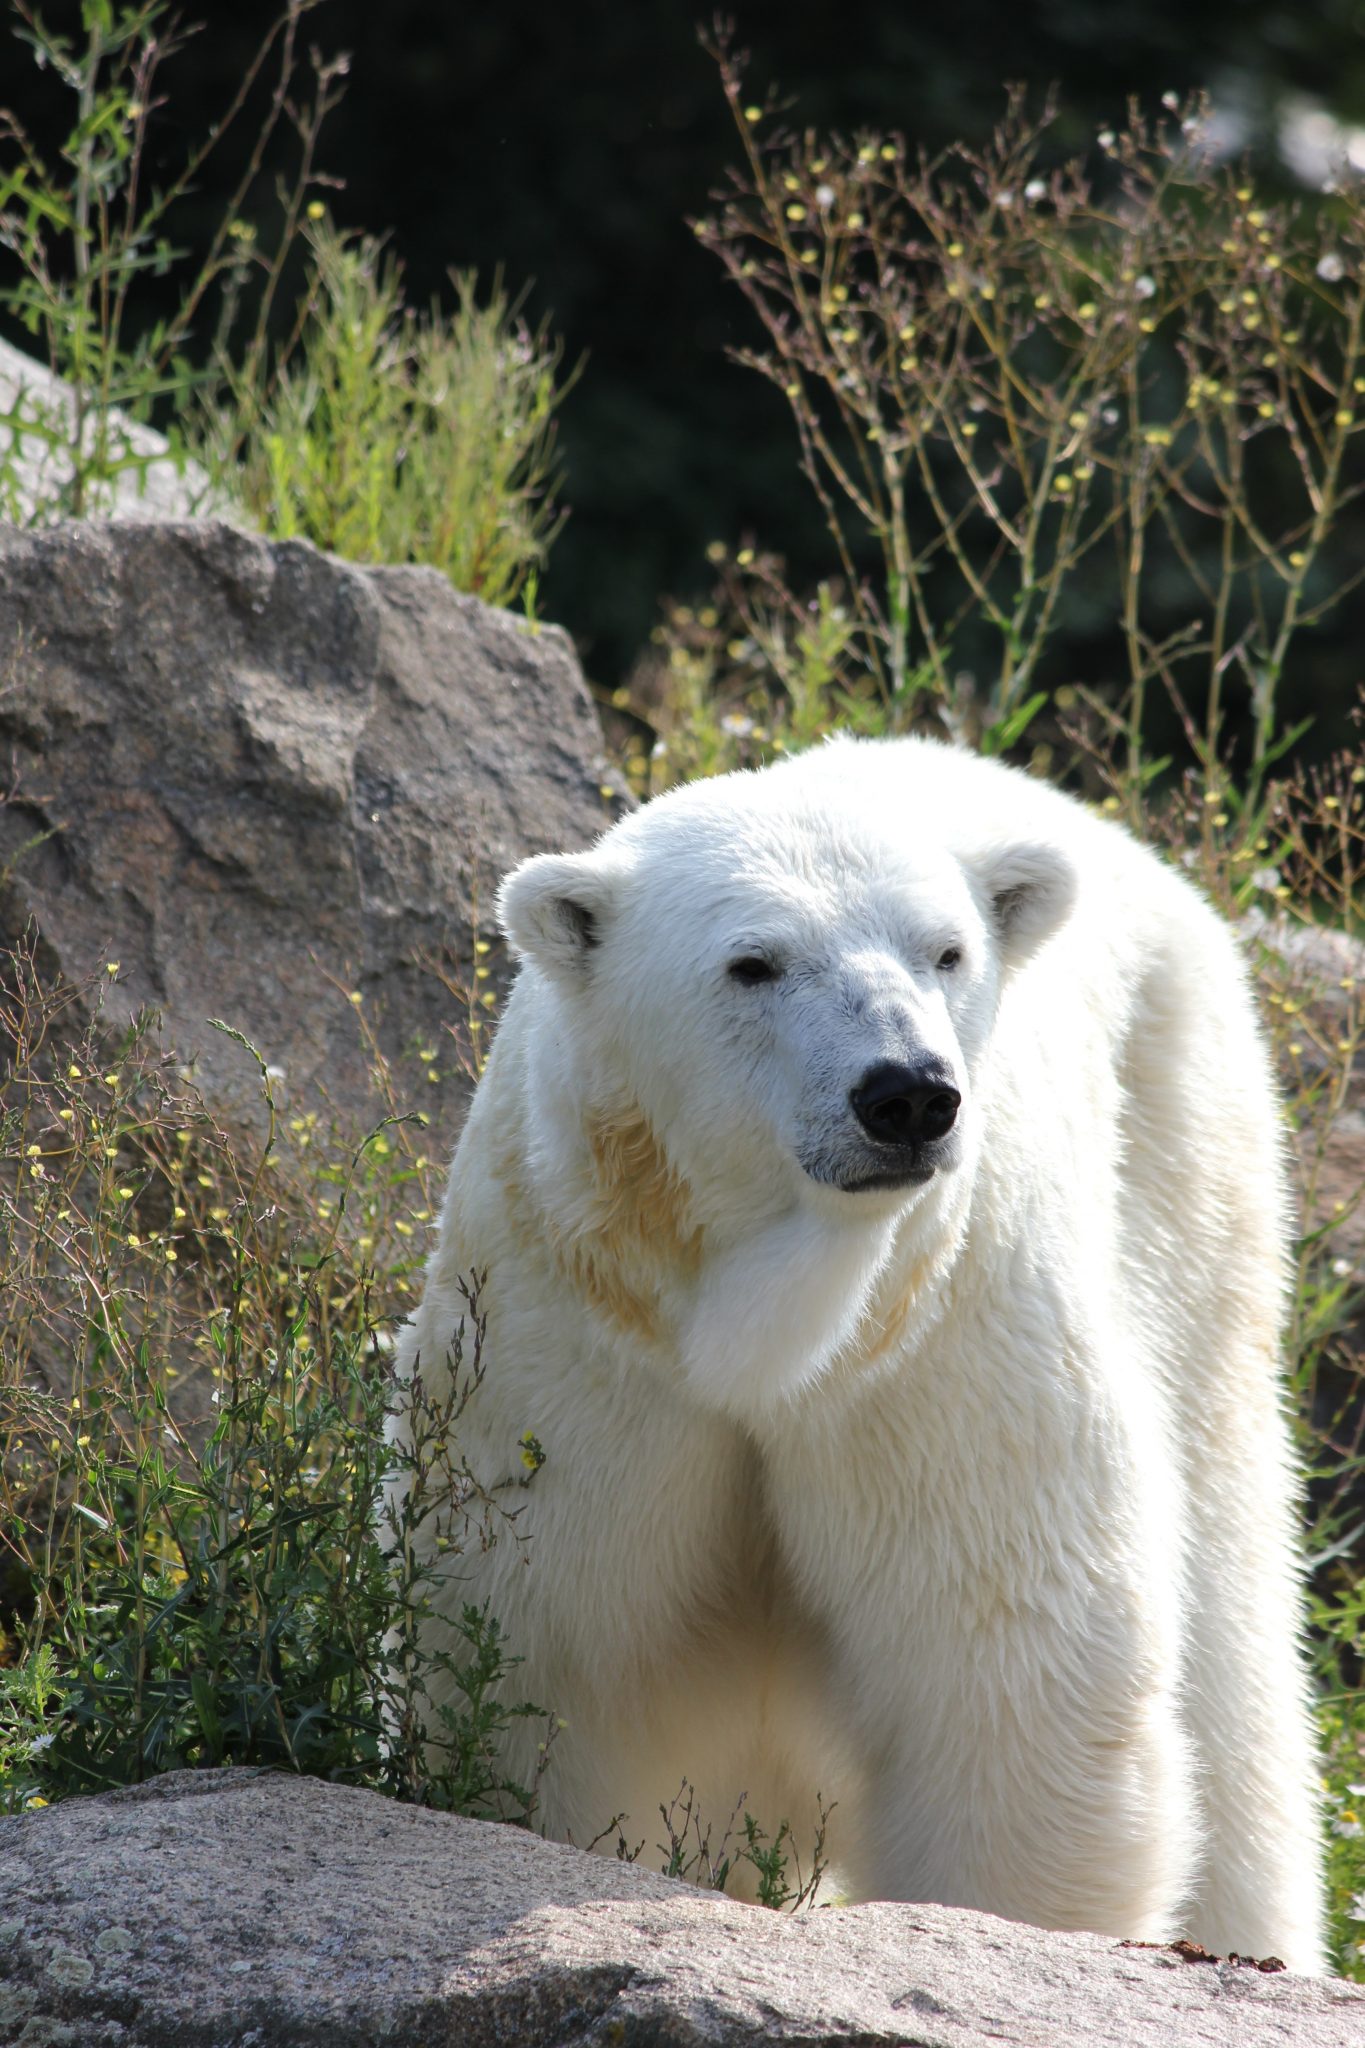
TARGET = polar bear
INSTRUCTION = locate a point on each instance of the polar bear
(878, 1183)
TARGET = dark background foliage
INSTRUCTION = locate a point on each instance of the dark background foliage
(568, 145)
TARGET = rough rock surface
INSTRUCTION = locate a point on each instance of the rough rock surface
(228, 1909)
(1319, 967)
(270, 779)
(35, 469)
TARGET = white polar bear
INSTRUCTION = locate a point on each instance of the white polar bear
(878, 1180)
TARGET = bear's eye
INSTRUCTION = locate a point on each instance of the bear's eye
(752, 968)
(948, 958)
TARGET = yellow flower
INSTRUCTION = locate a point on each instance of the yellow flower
(532, 1451)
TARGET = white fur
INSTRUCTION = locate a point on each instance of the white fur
(968, 1505)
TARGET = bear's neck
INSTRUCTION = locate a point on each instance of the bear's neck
(748, 1316)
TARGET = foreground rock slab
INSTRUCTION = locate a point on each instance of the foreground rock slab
(261, 779)
(232, 1909)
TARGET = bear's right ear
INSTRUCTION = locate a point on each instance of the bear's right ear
(555, 908)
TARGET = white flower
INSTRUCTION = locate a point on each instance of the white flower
(1265, 878)
(1105, 138)
(1170, 100)
(1341, 1267)
(824, 197)
(1349, 1829)
(42, 1742)
(1331, 268)
(736, 724)
(1035, 190)
(1145, 286)
(1004, 199)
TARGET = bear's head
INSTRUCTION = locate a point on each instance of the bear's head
(792, 981)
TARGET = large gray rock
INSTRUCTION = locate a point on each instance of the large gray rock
(227, 1909)
(37, 433)
(269, 779)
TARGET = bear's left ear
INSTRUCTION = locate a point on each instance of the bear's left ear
(1030, 887)
(556, 907)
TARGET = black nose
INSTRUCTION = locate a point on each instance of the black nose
(905, 1105)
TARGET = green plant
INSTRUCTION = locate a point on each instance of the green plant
(195, 1380)
(1023, 393)
(690, 1851)
(390, 437)
(85, 231)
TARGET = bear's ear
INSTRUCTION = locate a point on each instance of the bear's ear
(1030, 888)
(555, 908)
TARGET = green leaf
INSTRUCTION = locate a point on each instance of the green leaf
(1005, 732)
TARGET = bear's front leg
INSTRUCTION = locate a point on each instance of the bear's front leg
(1006, 1778)
(1002, 1609)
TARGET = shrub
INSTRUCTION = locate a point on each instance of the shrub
(388, 437)
(192, 1451)
(1019, 391)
